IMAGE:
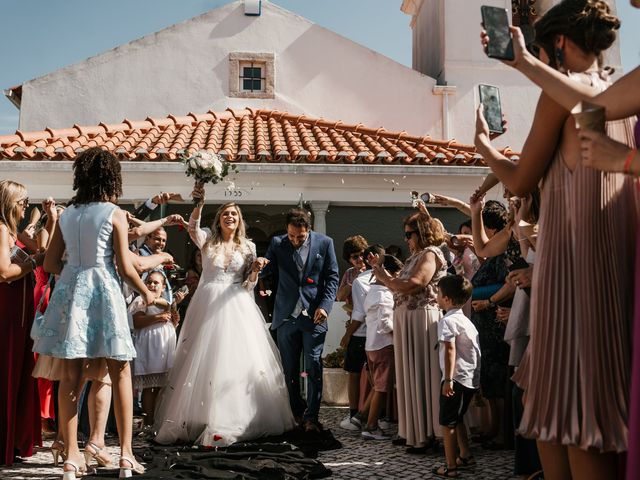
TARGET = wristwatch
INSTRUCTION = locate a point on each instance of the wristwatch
(492, 304)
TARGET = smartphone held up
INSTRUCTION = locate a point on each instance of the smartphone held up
(495, 21)
(489, 96)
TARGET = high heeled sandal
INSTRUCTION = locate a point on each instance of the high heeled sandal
(96, 453)
(77, 472)
(127, 472)
(57, 451)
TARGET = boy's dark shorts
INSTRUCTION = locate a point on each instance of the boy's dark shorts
(355, 356)
(452, 409)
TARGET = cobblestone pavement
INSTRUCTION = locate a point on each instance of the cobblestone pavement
(358, 459)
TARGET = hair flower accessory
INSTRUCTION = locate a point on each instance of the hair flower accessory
(206, 167)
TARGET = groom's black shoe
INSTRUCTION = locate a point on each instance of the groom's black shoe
(312, 426)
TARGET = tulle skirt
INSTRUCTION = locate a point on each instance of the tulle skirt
(226, 384)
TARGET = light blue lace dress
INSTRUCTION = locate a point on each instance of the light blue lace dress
(87, 315)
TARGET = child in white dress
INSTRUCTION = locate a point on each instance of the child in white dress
(155, 342)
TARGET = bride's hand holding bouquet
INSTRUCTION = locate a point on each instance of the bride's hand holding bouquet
(205, 167)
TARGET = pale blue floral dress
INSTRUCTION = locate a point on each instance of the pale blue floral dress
(87, 315)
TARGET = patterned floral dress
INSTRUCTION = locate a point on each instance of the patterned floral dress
(87, 315)
(495, 352)
(415, 333)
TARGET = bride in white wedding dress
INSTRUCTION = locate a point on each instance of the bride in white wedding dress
(226, 384)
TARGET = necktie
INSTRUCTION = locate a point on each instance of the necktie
(298, 259)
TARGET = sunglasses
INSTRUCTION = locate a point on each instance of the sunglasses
(408, 234)
(24, 202)
(355, 256)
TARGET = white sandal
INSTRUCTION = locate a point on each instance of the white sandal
(127, 472)
(77, 472)
(92, 451)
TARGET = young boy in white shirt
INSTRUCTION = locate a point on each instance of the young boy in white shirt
(378, 306)
(460, 366)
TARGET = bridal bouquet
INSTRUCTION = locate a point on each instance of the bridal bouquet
(206, 167)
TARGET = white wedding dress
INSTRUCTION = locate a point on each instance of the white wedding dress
(226, 384)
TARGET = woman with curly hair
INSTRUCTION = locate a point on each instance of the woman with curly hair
(87, 316)
(19, 409)
(576, 372)
(415, 331)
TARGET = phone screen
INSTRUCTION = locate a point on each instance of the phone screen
(490, 100)
(496, 23)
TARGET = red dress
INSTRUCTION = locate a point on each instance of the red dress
(19, 405)
(45, 387)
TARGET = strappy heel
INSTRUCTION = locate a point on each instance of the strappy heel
(95, 453)
(57, 451)
(128, 471)
(77, 472)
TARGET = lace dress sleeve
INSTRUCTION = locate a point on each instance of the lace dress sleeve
(249, 257)
(197, 234)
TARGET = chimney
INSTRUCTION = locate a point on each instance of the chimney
(252, 8)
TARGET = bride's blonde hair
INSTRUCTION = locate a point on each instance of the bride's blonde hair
(239, 236)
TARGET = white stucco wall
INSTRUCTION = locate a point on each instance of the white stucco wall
(185, 68)
(454, 27)
(270, 183)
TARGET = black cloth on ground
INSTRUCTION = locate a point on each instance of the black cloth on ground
(288, 456)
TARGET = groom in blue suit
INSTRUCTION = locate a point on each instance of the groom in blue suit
(307, 270)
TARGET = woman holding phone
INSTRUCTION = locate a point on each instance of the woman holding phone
(601, 152)
(575, 375)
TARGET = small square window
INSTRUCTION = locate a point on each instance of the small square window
(252, 78)
(251, 75)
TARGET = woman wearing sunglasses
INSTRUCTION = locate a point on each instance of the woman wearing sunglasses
(415, 331)
(20, 421)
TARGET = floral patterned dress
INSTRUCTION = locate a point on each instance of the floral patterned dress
(87, 315)
(495, 352)
(415, 333)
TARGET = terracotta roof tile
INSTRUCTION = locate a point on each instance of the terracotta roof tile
(242, 135)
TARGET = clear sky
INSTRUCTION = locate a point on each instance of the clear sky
(40, 36)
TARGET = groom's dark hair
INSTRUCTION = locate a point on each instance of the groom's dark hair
(299, 218)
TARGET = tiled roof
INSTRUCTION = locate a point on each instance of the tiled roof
(243, 136)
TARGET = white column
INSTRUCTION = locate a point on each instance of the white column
(444, 91)
(319, 209)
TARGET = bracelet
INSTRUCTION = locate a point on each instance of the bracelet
(628, 159)
(450, 380)
(34, 264)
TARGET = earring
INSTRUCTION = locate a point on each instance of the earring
(559, 57)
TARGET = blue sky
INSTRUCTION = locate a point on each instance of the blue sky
(43, 35)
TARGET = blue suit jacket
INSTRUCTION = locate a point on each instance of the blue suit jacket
(319, 282)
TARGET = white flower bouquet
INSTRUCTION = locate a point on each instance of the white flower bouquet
(206, 167)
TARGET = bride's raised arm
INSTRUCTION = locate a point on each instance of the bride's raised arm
(197, 234)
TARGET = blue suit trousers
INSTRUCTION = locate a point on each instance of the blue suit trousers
(298, 336)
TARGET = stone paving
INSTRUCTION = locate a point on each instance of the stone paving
(358, 459)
